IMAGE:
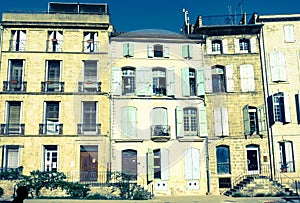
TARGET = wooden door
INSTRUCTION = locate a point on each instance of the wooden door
(88, 163)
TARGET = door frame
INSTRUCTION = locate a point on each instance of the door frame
(256, 149)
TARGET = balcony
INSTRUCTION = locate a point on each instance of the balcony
(51, 129)
(14, 85)
(89, 86)
(17, 45)
(52, 86)
(89, 129)
(12, 129)
(160, 133)
(54, 45)
(90, 46)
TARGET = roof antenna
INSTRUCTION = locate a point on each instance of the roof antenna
(186, 21)
(241, 7)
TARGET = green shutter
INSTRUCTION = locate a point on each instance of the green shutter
(160, 116)
(190, 51)
(128, 123)
(116, 81)
(202, 121)
(185, 81)
(185, 53)
(144, 81)
(179, 121)
(200, 82)
(125, 49)
(262, 120)
(246, 120)
(131, 50)
(150, 168)
(208, 79)
(170, 81)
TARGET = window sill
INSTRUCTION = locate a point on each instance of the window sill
(128, 140)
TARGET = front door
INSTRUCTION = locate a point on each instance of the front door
(252, 160)
(129, 164)
(88, 163)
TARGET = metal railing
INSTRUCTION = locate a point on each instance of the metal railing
(89, 129)
(54, 45)
(231, 19)
(51, 129)
(286, 181)
(89, 86)
(17, 45)
(52, 86)
(12, 129)
(160, 130)
(11, 173)
(14, 85)
(90, 46)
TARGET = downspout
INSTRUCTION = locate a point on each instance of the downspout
(266, 94)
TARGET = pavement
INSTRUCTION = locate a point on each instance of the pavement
(172, 199)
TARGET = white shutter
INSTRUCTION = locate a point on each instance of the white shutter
(188, 163)
(179, 121)
(150, 164)
(236, 46)
(287, 116)
(143, 81)
(208, 79)
(225, 124)
(274, 68)
(229, 78)
(289, 156)
(218, 121)
(289, 33)
(51, 35)
(208, 46)
(116, 81)
(196, 163)
(251, 79)
(253, 45)
(202, 120)
(59, 35)
(160, 116)
(164, 164)
(224, 46)
(281, 64)
(22, 43)
(150, 51)
(166, 51)
(170, 81)
(244, 78)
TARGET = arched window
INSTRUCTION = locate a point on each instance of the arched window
(223, 160)
(218, 79)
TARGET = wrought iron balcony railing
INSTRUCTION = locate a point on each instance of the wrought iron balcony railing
(89, 129)
(89, 86)
(52, 86)
(54, 45)
(12, 129)
(17, 45)
(160, 132)
(90, 46)
(51, 129)
(14, 85)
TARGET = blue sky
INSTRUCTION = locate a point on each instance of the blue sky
(131, 15)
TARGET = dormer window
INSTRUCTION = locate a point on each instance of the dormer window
(216, 46)
(158, 51)
(244, 45)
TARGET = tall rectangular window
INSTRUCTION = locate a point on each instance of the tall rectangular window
(52, 125)
(216, 46)
(244, 45)
(223, 160)
(51, 158)
(13, 118)
(90, 76)
(91, 42)
(55, 41)
(53, 76)
(159, 82)
(286, 157)
(15, 75)
(218, 79)
(190, 121)
(289, 33)
(278, 107)
(10, 156)
(128, 81)
(89, 118)
(18, 40)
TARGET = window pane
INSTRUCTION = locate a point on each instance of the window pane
(223, 160)
(12, 157)
(128, 81)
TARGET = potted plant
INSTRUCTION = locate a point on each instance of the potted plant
(14, 81)
(88, 82)
(90, 41)
(48, 82)
(54, 40)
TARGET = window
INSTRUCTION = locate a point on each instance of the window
(277, 66)
(16, 75)
(192, 82)
(218, 79)
(158, 164)
(52, 125)
(50, 158)
(158, 51)
(247, 78)
(224, 182)
(187, 51)
(11, 156)
(90, 76)
(55, 41)
(128, 81)
(191, 164)
(18, 40)
(13, 118)
(129, 121)
(286, 157)
(281, 108)
(250, 120)
(223, 160)
(128, 50)
(159, 82)
(129, 164)
(90, 43)
(221, 121)
(216, 46)
(160, 125)
(190, 121)
(289, 33)
(244, 45)
(53, 76)
(89, 118)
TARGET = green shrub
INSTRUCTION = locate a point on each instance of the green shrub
(77, 190)
(1, 191)
(96, 196)
(237, 194)
(140, 193)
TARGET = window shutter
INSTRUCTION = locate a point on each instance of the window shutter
(262, 120)
(224, 46)
(51, 35)
(90, 71)
(132, 121)
(116, 81)
(289, 156)
(12, 157)
(225, 124)
(208, 46)
(218, 121)
(166, 51)
(179, 121)
(202, 120)
(246, 120)
(185, 82)
(170, 81)
(287, 116)
(143, 81)
(289, 33)
(164, 163)
(128, 123)
(200, 82)
(277, 66)
(185, 51)
(125, 49)
(14, 113)
(244, 78)
(253, 45)
(251, 79)
(196, 163)
(282, 69)
(131, 49)
(150, 51)
(208, 79)
(236, 46)
(229, 78)
(150, 162)
(59, 35)
(22, 40)
(96, 37)
(188, 163)
(160, 116)
(190, 51)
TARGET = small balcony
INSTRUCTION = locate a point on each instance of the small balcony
(89, 86)
(14, 86)
(90, 46)
(54, 45)
(12, 129)
(160, 133)
(17, 45)
(52, 86)
(89, 129)
(51, 129)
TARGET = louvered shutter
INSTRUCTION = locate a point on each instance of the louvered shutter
(14, 113)
(179, 122)
(246, 119)
(116, 81)
(289, 33)
(160, 116)
(185, 51)
(188, 163)
(166, 51)
(190, 51)
(12, 157)
(277, 66)
(218, 121)
(282, 69)
(200, 82)
(202, 121)
(131, 49)
(208, 79)
(287, 116)
(150, 51)
(229, 78)
(224, 46)
(164, 164)
(244, 78)
(128, 123)
(289, 156)
(196, 163)
(236, 46)
(185, 82)
(150, 163)
(251, 79)
(90, 71)
(253, 45)
(262, 120)
(125, 49)
(170, 81)
(208, 46)
(22, 43)
(144, 81)
(225, 123)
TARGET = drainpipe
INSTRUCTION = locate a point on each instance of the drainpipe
(266, 94)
